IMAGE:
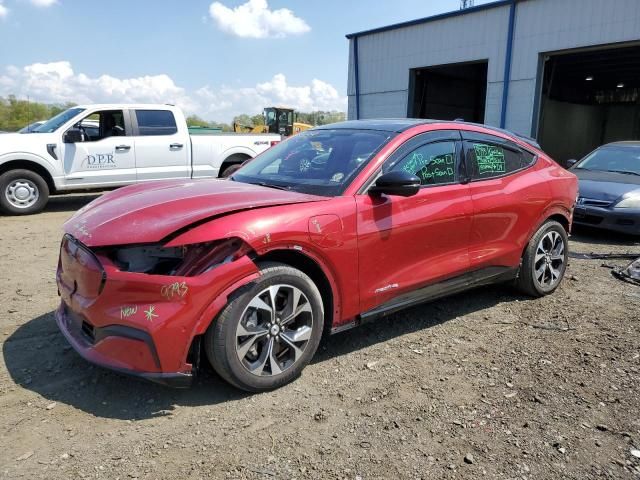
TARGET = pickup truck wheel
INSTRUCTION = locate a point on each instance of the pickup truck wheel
(269, 331)
(22, 192)
(545, 260)
(230, 170)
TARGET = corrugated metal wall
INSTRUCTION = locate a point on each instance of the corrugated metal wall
(385, 58)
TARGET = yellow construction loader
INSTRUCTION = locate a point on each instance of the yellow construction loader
(277, 120)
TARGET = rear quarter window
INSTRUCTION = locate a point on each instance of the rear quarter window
(489, 157)
(156, 122)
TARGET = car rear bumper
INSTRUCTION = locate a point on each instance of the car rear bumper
(618, 220)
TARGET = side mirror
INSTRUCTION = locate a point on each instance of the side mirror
(73, 135)
(397, 182)
(571, 162)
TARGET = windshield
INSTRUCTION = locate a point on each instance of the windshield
(318, 162)
(612, 159)
(56, 122)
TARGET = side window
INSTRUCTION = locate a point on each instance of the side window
(156, 122)
(433, 163)
(103, 124)
(490, 157)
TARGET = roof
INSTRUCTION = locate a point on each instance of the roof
(401, 124)
(384, 124)
(433, 18)
(117, 106)
(627, 143)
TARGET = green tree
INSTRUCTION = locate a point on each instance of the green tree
(15, 113)
(196, 121)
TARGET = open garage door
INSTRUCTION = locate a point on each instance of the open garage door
(448, 92)
(589, 98)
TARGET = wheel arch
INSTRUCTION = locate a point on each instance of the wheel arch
(32, 166)
(558, 214)
(315, 271)
(235, 159)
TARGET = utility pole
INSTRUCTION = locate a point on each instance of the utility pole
(466, 4)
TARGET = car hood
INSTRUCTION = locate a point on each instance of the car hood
(149, 213)
(12, 142)
(609, 186)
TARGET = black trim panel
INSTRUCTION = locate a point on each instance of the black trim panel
(123, 331)
(466, 281)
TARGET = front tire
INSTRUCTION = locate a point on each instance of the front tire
(269, 331)
(22, 192)
(545, 260)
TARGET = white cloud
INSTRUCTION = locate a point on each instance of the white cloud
(253, 19)
(43, 3)
(4, 11)
(57, 82)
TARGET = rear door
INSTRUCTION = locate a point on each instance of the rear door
(405, 243)
(161, 145)
(508, 198)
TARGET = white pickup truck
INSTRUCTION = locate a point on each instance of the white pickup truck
(104, 146)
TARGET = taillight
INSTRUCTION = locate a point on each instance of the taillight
(274, 142)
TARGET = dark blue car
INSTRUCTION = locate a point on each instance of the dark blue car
(609, 188)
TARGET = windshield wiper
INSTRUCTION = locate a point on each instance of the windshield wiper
(271, 185)
(626, 172)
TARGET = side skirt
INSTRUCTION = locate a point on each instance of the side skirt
(466, 281)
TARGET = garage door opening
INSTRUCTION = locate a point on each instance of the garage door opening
(589, 98)
(448, 92)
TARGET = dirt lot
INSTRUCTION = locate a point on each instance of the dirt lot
(484, 384)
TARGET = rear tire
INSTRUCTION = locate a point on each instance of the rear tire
(230, 170)
(22, 192)
(544, 261)
(256, 347)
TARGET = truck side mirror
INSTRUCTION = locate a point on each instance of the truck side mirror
(73, 135)
(571, 162)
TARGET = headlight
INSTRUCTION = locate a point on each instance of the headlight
(629, 202)
(186, 261)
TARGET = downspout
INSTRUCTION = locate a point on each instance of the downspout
(507, 64)
(356, 75)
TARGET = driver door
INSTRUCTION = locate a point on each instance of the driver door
(406, 243)
(106, 156)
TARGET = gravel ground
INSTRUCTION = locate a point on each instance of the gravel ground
(486, 384)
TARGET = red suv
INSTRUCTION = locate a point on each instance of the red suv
(336, 226)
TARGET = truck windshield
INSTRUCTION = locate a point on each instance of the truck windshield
(318, 162)
(56, 122)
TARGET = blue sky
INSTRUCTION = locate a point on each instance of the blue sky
(214, 60)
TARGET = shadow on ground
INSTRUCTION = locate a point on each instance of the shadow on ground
(583, 236)
(39, 359)
(69, 203)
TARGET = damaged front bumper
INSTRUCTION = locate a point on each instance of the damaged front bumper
(98, 345)
(134, 323)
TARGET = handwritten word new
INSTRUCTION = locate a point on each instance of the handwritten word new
(127, 311)
(176, 289)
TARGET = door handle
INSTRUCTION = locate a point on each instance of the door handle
(175, 146)
(123, 148)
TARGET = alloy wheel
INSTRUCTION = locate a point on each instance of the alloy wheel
(274, 330)
(548, 264)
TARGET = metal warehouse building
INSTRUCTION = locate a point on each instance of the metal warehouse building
(566, 72)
